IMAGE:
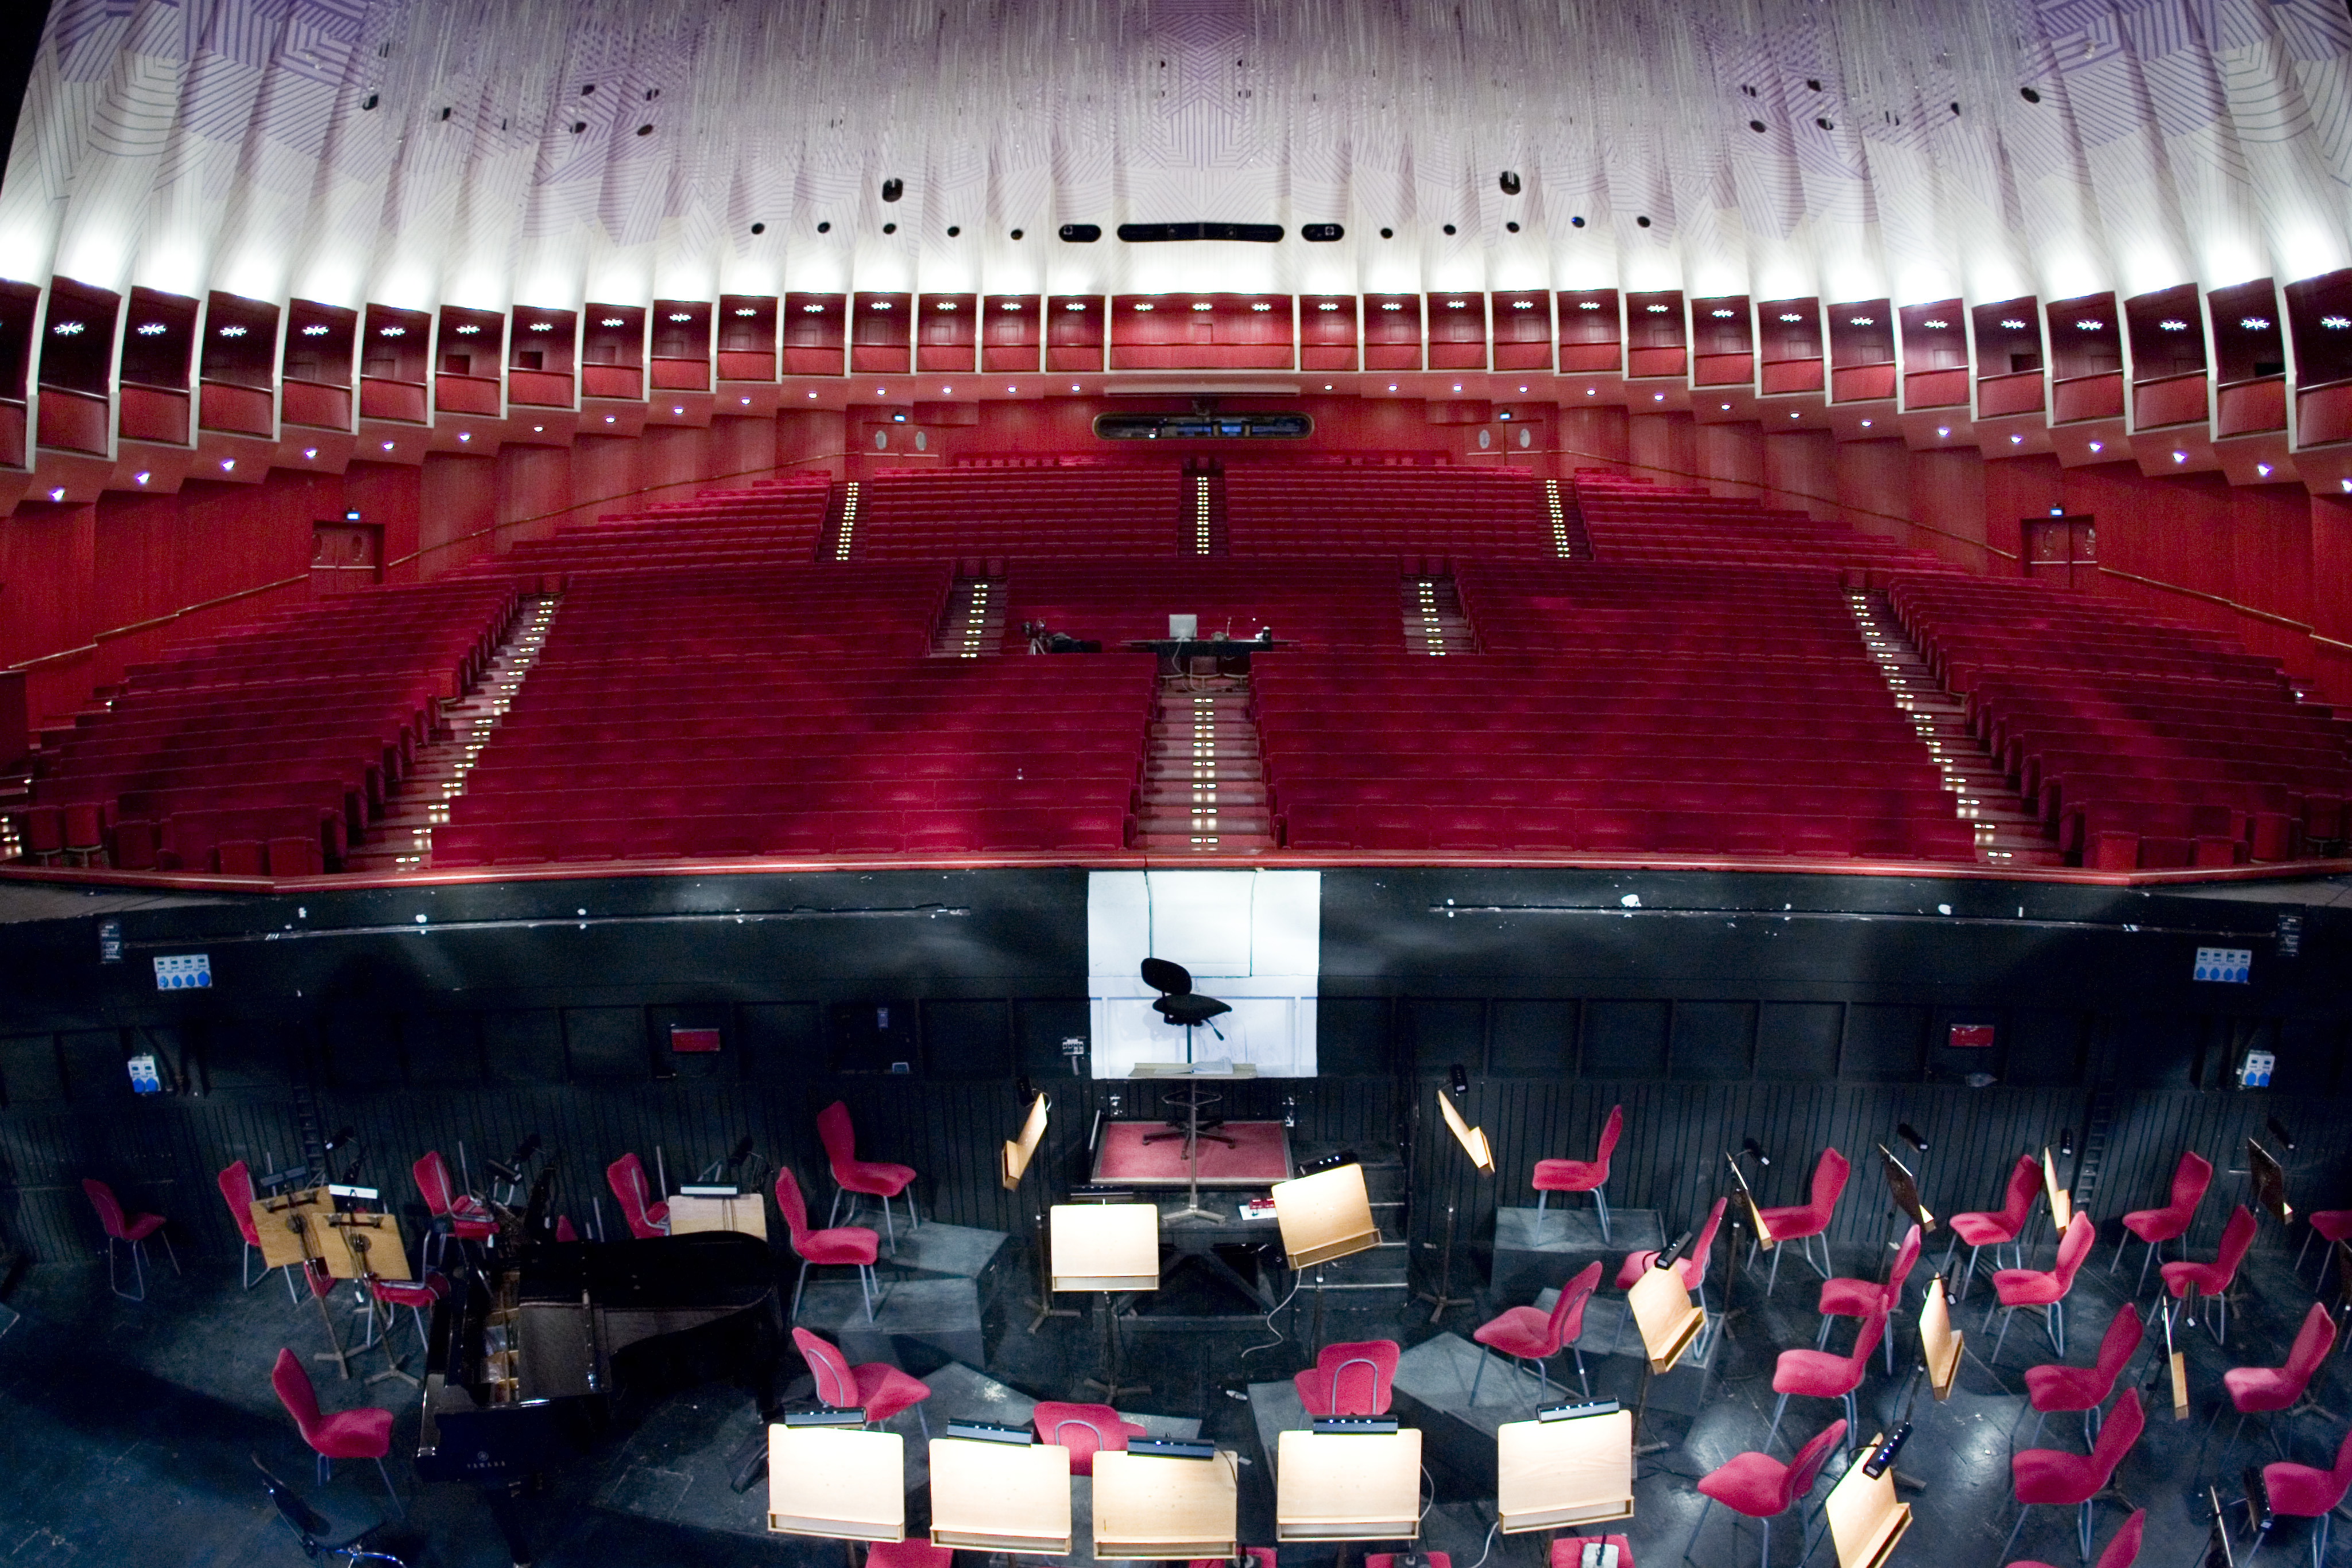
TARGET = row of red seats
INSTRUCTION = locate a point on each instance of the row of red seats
(1061, 829)
(1828, 797)
(1279, 512)
(1414, 829)
(504, 798)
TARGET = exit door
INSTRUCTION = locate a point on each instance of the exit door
(2062, 550)
(345, 557)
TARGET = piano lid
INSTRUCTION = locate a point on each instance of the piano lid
(712, 1269)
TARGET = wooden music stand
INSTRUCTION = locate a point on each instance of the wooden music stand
(1347, 1486)
(2176, 1362)
(1941, 1344)
(839, 1483)
(355, 1246)
(1482, 1159)
(283, 1225)
(2061, 1202)
(1550, 1474)
(1323, 1216)
(1013, 1160)
(1148, 1505)
(999, 1497)
(1108, 1248)
(2269, 1180)
(746, 1215)
(1668, 1324)
(1904, 1190)
(1865, 1520)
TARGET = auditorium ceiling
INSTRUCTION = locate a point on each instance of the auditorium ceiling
(491, 152)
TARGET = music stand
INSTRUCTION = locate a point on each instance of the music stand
(1941, 1344)
(1551, 1474)
(1013, 1161)
(842, 1483)
(2061, 1202)
(282, 1224)
(1347, 1486)
(1155, 1506)
(1668, 1323)
(348, 1243)
(1473, 1143)
(745, 1214)
(2177, 1361)
(1865, 1521)
(1905, 1191)
(1323, 1217)
(999, 1497)
(1106, 1249)
(2269, 1180)
(1745, 1204)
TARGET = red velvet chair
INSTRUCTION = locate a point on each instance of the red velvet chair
(417, 1295)
(457, 1214)
(1981, 1229)
(1761, 1486)
(1532, 1333)
(2301, 1491)
(236, 1191)
(2045, 1477)
(362, 1434)
(2084, 1388)
(1844, 1298)
(850, 1244)
(2159, 1226)
(2331, 1226)
(1434, 1559)
(915, 1552)
(1818, 1374)
(1803, 1222)
(1085, 1430)
(131, 1231)
(2122, 1549)
(2266, 1390)
(1583, 1176)
(881, 1389)
(874, 1178)
(1357, 1377)
(2015, 1288)
(1691, 1266)
(2213, 1280)
(626, 1177)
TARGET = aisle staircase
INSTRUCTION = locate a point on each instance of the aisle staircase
(1206, 534)
(1566, 524)
(1203, 779)
(402, 839)
(971, 622)
(1434, 620)
(2007, 834)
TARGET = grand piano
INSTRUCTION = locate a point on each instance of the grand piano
(531, 1353)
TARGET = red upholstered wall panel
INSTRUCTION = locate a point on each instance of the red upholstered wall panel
(2246, 407)
(154, 413)
(2175, 399)
(221, 405)
(1935, 389)
(1860, 383)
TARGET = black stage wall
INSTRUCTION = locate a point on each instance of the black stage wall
(1799, 1010)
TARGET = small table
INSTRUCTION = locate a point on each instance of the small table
(1347, 1486)
(839, 1482)
(1147, 1505)
(999, 1497)
(745, 1214)
(1176, 653)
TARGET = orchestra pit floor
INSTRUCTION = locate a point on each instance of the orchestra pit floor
(125, 1431)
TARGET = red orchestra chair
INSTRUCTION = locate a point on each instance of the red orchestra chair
(362, 1434)
(1844, 1298)
(130, 1229)
(1356, 1378)
(1997, 1230)
(2048, 1478)
(236, 1185)
(2159, 1226)
(2213, 1280)
(457, 1214)
(915, 1552)
(2015, 1288)
(2086, 1388)
(873, 1178)
(2122, 1548)
(878, 1388)
(1818, 1374)
(417, 1295)
(1538, 1335)
(853, 1245)
(1085, 1430)
(2301, 1491)
(626, 1177)
(1583, 1176)
(2331, 1226)
(1803, 1222)
(1690, 1268)
(1761, 1486)
(2266, 1390)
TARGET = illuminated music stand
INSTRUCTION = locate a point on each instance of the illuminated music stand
(1865, 1521)
(1324, 1217)
(999, 1497)
(1552, 1474)
(2061, 1202)
(1158, 1506)
(1013, 1160)
(840, 1483)
(1668, 1323)
(1482, 1159)
(1350, 1486)
(1108, 1249)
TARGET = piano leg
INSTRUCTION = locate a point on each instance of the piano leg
(505, 1512)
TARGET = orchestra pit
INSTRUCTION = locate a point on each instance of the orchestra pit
(1310, 785)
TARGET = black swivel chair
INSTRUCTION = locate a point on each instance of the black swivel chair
(330, 1524)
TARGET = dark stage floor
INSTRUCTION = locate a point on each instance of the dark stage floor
(124, 1430)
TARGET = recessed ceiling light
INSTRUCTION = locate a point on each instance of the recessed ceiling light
(465, 435)
(2016, 440)
(309, 452)
(387, 446)
(2096, 446)
(141, 478)
(2263, 469)
(2180, 458)
(1943, 430)
(1866, 424)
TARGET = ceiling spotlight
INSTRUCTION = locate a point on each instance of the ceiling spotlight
(67, 328)
(806, 310)
(549, 326)
(1011, 305)
(2255, 323)
(315, 329)
(232, 331)
(139, 478)
(2335, 323)
(149, 328)
(2096, 446)
(466, 329)
(2262, 470)
(1943, 430)
(402, 331)
(1791, 316)
(1328, 305)
(747, 310)
(2172, 326)
(1393, 305)
(309, 454)
(2016, 440)
(1723, 315)
(617, 321)
(2010, 322)
(1588, 305)
(1861, 321)
(1940, 325)
(1076, 305)
(1657, 310)
(2089, 326)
